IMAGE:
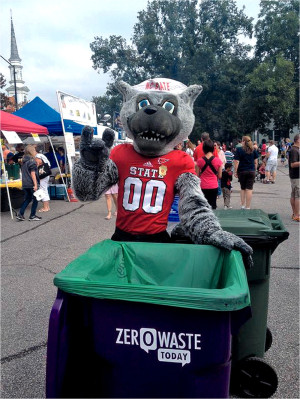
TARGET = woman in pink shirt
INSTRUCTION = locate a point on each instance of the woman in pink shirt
(210, 170)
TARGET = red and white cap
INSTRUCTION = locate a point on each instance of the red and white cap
(161, 85)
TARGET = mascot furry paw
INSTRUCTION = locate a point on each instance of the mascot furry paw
(157, 115)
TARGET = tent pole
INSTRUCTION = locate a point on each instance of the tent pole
(6, 184)
(59, 168)
(68, 158)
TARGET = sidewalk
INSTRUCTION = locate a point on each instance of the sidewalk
(32, 252)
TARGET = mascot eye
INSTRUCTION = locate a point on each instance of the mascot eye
(143, 103)
(168, 106)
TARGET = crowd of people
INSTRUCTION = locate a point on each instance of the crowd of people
(215, 164)
(248, 161)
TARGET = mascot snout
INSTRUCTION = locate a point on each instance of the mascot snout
(153, 127)
(150, 110)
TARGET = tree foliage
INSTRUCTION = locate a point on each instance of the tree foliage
(270, 95)
(272, 90)
(277, 30)
(4, 98)
(201, 42)
(107, 104)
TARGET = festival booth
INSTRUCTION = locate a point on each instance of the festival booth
(39, 112)
(16, 130)
(61, 132)
(62, 129)
(65, 129)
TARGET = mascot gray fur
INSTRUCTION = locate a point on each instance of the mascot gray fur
(157, 115)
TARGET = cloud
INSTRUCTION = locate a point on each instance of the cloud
(54, 37)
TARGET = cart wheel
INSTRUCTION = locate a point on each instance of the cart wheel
(269, 339)
(253, 378)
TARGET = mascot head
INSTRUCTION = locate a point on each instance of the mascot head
(157, 114)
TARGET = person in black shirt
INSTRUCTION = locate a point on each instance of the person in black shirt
(245, 165)
(30, 184)
(294, 163)
(17, 158)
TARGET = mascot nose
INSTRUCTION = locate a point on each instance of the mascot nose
(150, 110)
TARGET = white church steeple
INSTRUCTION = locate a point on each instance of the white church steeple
(16, 67)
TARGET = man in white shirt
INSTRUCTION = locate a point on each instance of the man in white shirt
(271, 167)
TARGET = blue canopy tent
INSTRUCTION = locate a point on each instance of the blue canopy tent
(39, 112)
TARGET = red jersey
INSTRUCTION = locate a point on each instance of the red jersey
(198, 153)
(146, 188)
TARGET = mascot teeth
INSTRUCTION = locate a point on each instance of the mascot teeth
(150, 136)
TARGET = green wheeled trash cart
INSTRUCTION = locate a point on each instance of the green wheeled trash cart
(251, 376)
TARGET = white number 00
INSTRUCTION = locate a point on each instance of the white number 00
(154, 193)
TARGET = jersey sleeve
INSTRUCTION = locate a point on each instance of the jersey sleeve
(189, 165)
(118, 153)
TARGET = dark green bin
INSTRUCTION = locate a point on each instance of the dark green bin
(263, 232)
(13, 171)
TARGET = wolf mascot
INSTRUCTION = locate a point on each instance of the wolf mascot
(157, 115)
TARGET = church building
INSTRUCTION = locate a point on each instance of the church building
(16, 71)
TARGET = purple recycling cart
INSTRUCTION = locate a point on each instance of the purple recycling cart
(115, 339)
(112, 348)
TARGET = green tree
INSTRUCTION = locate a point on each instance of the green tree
(108, 104)
(4, 98)
(277, 33)
(191, 42)
(269, 96)
(277, 30)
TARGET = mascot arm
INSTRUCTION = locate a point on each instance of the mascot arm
(94, 172)
(198, 222)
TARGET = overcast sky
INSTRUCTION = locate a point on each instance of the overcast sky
(53, 38)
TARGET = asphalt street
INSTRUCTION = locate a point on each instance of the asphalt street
(33, 252)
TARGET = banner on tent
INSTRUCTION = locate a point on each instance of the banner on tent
(76, 109)
(70, 144)
(11, 137)
(35, 137)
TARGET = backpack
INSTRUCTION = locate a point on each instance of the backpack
(208, 162)
(44, 170)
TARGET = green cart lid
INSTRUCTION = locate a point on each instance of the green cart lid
(252, 222)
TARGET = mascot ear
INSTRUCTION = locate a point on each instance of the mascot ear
(125, 89)
(191, 93)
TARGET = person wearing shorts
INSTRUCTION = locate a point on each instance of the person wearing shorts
(294, 164)
(111, 194)
(271, 167)
(245, 165)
